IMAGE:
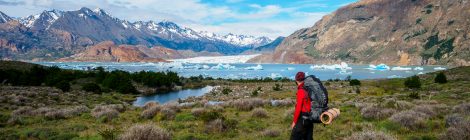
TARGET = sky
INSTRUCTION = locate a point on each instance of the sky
(271, 18)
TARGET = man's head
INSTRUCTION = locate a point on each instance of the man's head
(299, 77)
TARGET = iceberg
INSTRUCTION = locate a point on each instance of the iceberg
(440, 68)
(223, 67)
(420, 73)
(418, 68)
(401, 68)
(343, 72)
(257, 67)
(379, 67)
(276, 76)
(290, 68)
(394, 76)
(342, 66)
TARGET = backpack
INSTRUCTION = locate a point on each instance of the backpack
(318, 96)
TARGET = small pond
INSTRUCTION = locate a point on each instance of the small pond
(163, 98)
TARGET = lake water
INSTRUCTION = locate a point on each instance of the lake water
(172, 96)
(237, 71)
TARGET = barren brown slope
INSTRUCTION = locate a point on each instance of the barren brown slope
(397, 32)
(109, 52)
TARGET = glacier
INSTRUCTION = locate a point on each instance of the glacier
(235, 59)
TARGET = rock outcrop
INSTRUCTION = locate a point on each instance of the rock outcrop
(396, 32)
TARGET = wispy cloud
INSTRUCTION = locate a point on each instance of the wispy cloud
(254, 17)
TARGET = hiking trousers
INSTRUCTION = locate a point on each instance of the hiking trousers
(303, 130)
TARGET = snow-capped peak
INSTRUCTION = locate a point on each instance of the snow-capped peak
(4, 17)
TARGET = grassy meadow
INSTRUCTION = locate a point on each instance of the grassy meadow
(371, 109)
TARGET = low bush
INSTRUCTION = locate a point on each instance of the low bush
(92, 87)
(277, 87)
(211, 115)
(216, 126)
(197, 112)
(374, 112)
(454, 120)
(23, 111)
(168, 113)
(249, 104)
(149, 105)
(226, 91)
(413, 82)
(145, 132)
(150, 112)
(64, 86)
(410, 119)
(370, 135)
(457, 132)
(106, 113)
(440, 78)
(355, 82)
(270, 133)
(259, 113)
(463, 108)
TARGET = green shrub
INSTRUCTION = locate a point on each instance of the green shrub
(226, 91)
(92, 87)
(277, 87)
(413, 82)
(65, 136)
(64, 86)
(184, 117)
(354, 82)
(210, 115)
(440, 78)
(108, 134)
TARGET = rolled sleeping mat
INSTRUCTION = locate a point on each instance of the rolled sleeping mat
(328, 116)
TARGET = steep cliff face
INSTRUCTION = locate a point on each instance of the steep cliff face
(398, 32)
(109, 52)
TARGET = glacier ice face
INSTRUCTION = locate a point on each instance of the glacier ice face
(257, 67)
(379, 67)
(401, 68)
(217, 59)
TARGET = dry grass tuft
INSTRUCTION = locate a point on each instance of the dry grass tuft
(462, 109)
(249, 104)
(457, 132)
(106, 112)
(198, 111)
(410, 119)
(374, 112)
(370, 135)
(150, 112)
(149, 105)
(270, 133)
(145, 132)
(259, 113)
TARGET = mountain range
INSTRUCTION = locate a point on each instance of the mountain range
(57, 34)
(396, 32)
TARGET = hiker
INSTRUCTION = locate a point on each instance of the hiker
(302, 128)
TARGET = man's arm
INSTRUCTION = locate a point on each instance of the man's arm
(298, 107)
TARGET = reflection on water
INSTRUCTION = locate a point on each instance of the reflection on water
(172, 96)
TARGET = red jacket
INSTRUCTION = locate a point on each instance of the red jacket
(303, 102)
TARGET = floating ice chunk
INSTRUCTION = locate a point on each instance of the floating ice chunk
(418, 68)
(290, 68)
(223, 67)
(257, 67)
(379, 67)
(420, 73)
(343, 72)
(401, 68)
(205, 67)
(440, 68)
(394, 76)
(342, 66)
(276, 76)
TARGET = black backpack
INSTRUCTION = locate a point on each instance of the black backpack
(318, 96)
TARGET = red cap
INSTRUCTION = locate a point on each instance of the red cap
(300, 76)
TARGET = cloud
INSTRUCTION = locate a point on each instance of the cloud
(3, 2)
(260, 20)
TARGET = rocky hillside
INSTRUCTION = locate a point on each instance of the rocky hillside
(57, 34)
(110, 52)
(397, 32)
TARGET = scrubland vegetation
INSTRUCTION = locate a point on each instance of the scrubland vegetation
(384, 109)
